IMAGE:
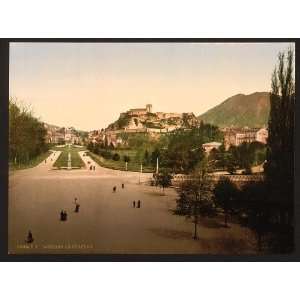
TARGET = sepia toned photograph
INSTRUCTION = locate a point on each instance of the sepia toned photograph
(151, 148)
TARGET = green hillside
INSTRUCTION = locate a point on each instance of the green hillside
(240, 110)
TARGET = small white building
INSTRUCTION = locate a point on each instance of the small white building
(262, 135)
(207, 147)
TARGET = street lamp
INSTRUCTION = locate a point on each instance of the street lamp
(140, 173)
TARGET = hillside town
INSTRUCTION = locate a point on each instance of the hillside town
(143, 120)
(63, 135)
(155, 124)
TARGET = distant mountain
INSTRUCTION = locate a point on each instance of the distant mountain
(240, 110)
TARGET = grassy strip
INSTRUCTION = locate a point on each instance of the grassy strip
(62, 161)
(120, 164)
(76, 159)
(32, 163)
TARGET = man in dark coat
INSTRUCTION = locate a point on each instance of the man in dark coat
(29, 237)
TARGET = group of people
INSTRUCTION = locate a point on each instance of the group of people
(92, 168)
(63, 213)
(115, 187)
(138, 204)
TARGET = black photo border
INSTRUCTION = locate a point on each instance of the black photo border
(4, 96)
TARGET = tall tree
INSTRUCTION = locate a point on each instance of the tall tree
(195, 197)
(226, 194)
(254, 205)
(164, 179)
(279, 168)
(26, 134)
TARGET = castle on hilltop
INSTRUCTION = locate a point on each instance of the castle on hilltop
(140, 111)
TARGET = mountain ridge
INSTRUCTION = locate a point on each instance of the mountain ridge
(240, 110)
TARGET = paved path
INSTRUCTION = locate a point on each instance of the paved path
(106, 222)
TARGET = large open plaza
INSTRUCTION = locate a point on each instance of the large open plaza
(107, 222)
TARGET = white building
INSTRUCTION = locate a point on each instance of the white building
(262, 135)
(207, 147)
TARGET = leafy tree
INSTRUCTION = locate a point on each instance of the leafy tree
(258, 151)
(105, 154)
(116, 157)
(164, 179)
(254, 205)
(96, 149)
(195, 197)
(126, 158)
(268, 206)
(214, 155)
(27, 135)
(230, 160)
(146, 158)
(226, 195)
(279, 168)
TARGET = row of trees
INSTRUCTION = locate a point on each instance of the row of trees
(246, 205)
(243, 156)
(107, 153)
(181, 151)
(26, 134)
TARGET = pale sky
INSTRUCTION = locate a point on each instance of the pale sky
(87, 85)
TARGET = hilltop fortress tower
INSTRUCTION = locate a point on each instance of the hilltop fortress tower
(149, 108)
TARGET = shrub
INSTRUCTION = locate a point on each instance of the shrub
(106, 154)
(126, 158)
(116, 157)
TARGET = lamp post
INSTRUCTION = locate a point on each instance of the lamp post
(140, 173)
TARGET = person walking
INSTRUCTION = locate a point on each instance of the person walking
(114, 189)
(77, 205)
(122, 185)
(133, 203)
(77, 208)
(139, 204)
(29, 237)
(62, 215)
(65, 216)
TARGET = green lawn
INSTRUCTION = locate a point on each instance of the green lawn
(32, 163)
(133, 165)
(62, 161)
